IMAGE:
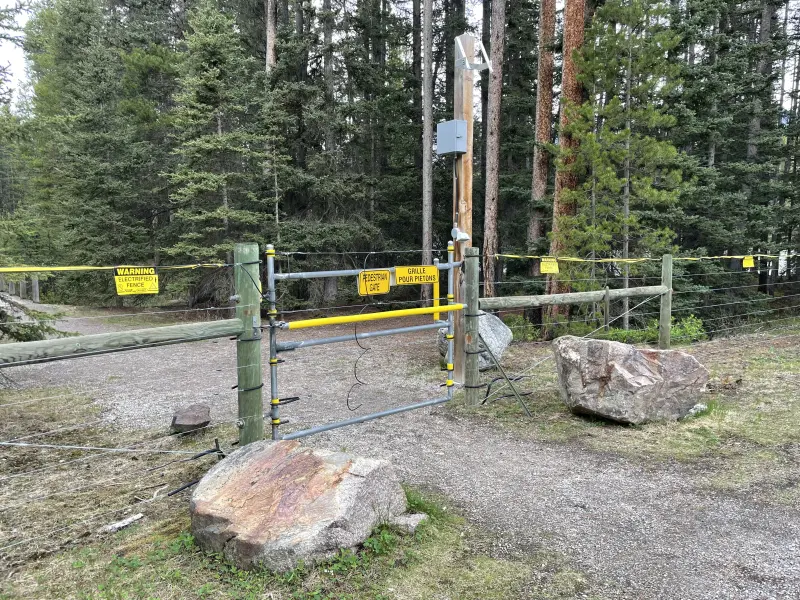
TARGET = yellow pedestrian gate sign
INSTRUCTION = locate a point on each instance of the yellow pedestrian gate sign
(136, 280)
(374, 282)
(419, 275)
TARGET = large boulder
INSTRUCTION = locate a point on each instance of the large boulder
(623, 383)
(496, 335)
(273, 504)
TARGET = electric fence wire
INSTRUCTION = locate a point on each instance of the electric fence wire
(121, 479)
(290, 254)
(736, 327)
(119, 316)
(543, 278)
(361, 306)
(90, 519)
(105, 451)
(737, 287)
(71, 427)
(702, 346)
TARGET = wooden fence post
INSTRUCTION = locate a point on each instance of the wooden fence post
(665, 314)
(606, 309)
(23, 288)
(247, 284)
(471, 326)
(35, 288)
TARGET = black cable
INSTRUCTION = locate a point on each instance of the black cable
(355, 364)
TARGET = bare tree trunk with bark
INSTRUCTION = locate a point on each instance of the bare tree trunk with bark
(626, 190)
(427, 136)
(487, 43)
(327, 20)
(571, 97)
(269, 18)
(544, 118)
(416, 74)
(493, 147)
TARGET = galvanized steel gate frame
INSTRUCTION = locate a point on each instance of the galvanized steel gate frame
(276, 347)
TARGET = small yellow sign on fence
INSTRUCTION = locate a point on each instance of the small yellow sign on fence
(748, 262)
(549, 265)
(416, 275)
(373, 282)
(135, 280)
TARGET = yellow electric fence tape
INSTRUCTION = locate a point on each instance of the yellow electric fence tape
(373, 282)
(26, 269)
(744, 257)
(416, 275)
(131, 281)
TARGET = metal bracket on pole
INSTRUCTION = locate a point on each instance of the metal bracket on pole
(463, 62)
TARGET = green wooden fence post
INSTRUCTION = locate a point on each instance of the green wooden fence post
(665, 314)
(471, 296)
(248, 346)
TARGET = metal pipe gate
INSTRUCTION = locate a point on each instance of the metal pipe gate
(275, 347)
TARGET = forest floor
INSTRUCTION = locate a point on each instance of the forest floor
(557, 506)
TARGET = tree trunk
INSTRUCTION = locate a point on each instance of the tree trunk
(327, 20)
(225, 222)
(302, 63)
(626, 191)
(566, 179)
(493, 147)
(712, 138)
(544, 117)
(269, 16)
(284, 13)
(427, 136)
(416, 74)
(487, 43)
(761, 69)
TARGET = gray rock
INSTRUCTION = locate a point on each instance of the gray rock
(494, 333)
(626, 384)
(273, 504)
(697, 409)
(188, 418)
(408, 523)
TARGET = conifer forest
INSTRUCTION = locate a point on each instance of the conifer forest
(160, 132)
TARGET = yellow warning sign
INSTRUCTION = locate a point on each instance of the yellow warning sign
(549, 265)
(135, 280)
(373, 282)
(748, 262)
(416, 275)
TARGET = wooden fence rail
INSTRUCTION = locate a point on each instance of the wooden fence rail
(27, 353)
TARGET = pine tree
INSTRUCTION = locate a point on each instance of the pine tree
(220, 152)
(628, 169)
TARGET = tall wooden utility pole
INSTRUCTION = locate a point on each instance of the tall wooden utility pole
(462, 180)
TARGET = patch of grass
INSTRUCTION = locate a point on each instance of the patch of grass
(160, 560)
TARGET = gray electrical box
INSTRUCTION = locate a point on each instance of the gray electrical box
(451, 137)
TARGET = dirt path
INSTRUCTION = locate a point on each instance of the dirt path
(638, 532)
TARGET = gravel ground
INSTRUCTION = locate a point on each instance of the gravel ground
(637, 531)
